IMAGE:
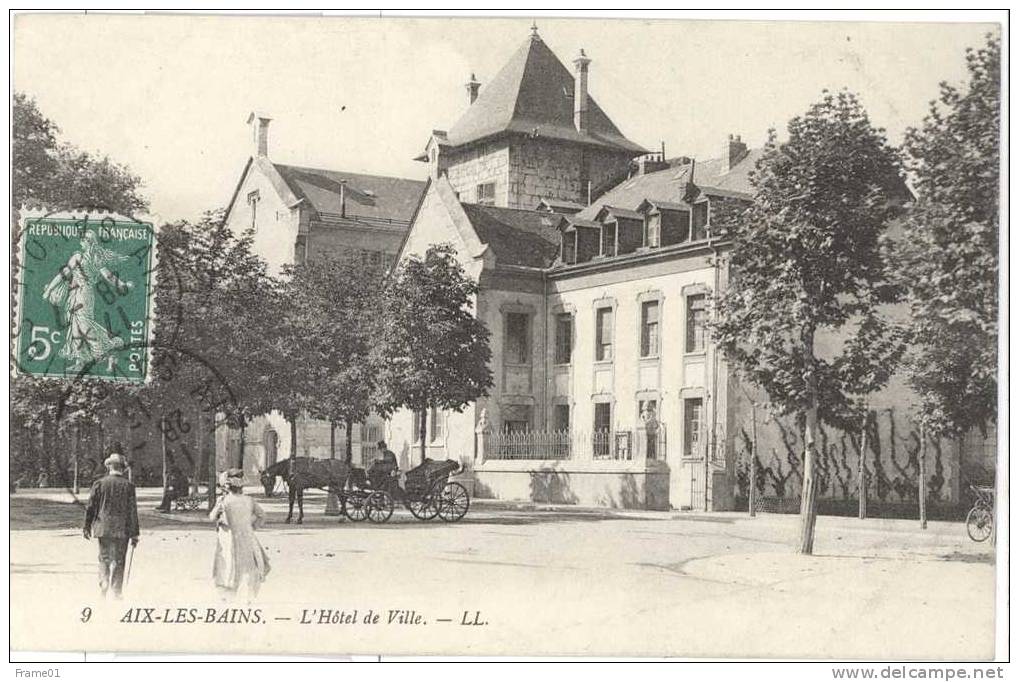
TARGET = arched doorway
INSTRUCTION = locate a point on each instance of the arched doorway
(270, 442)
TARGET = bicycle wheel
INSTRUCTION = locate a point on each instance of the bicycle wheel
(380, 506)
(979, 524)
(453, 502)
(355, 506)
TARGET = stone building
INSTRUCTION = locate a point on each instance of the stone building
(296, 213)
(533, 133)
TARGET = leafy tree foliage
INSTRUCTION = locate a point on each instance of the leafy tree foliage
(49, 174)
(947, 258)
(53, 175)
(806, 261)
(431, 352)
(332, 305)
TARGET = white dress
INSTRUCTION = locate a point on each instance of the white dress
(239, 558)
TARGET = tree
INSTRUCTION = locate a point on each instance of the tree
(335, 301)
(213, 329)
(947, 258)
(57, 176)
(431, 352)
(49, 174)
(805, 261)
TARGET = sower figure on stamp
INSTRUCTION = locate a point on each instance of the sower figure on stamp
(112, 517)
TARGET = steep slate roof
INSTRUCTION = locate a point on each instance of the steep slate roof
(669, 185)
(535, 90)
(516, 236)
(369, 196)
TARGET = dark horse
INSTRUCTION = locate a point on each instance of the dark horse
(305, 472)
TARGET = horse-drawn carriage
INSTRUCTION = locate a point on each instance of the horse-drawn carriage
(427, 492)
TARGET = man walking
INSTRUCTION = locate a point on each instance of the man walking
(112, 517)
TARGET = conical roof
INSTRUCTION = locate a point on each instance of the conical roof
(533, 93)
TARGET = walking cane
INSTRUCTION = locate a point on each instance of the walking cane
(130, 560)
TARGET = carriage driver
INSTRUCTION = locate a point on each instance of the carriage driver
(384, 467)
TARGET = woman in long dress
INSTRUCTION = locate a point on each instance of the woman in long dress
(240, 558)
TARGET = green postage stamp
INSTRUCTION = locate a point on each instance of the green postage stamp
(85, 297)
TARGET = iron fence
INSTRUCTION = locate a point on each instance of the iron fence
(618, 445)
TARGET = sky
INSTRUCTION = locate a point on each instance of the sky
(169, 95)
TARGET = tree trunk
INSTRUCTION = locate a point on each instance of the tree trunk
(922, 477)
(293, 444)
(244, 443)
(350, 442)
(211, 462)
(861, 474)
(808, 501)
(752, 492)
(332, 439)
(422, 432)
(75, 437)
(162, 447)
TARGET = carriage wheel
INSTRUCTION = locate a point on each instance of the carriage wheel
(423, 508)
(380, 506)
(453, 502)
(355, 506)
(979, 524)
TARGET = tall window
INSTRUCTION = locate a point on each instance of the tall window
(486, 194)
(517, 348)
(608, 239)
(602, 436)
(569, 242)
(654, 230)
(603, 334)
(693, 423)
(699, 221)
(435, 424)
(253, 199)
(649, 329)
(696, 322)
(561, 417)
(563, 338)
(417, 426)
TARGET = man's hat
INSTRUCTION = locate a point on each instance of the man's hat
(115, 460)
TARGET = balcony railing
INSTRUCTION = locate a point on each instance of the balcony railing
(619, 445)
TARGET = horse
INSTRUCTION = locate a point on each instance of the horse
(305, 472)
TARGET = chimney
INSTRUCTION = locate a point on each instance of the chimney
(734, 152)
(472, 89)
(580, 113)
(651, 163)
(260, 133)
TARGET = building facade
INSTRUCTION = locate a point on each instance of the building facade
(296, 213)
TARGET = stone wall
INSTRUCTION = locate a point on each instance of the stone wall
(525, 171)
(477, 165)
(540, 169)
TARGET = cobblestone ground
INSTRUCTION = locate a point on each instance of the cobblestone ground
(525, 582)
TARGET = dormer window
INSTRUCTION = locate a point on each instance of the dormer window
(699, 221)
(569, 247)
(608, 239)
(653, 231)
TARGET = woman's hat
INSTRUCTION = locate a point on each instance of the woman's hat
(115, 460)
(232, 477)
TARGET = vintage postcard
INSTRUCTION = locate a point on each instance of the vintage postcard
(446, 336)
